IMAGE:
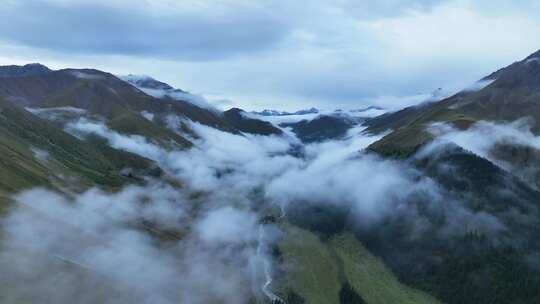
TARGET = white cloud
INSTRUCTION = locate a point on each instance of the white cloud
(215, 227)
(221, 250)
(365, 52)
(99, 245)
(490, 140)
(164, 92)
(482, 137)
(132, 143)
(479, 85)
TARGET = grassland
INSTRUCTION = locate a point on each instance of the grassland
(317, 270)
(64, 157)
(370, 278)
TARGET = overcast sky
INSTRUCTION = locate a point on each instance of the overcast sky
(279, 54)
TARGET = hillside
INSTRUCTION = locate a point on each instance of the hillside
(345, 273)
(239, 119)
(102, 94)
(35, 152)
(509, 94)
(414, 218)
(321, 128)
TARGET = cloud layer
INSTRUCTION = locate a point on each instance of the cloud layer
(209, 239)
(279, 53)
(162, 29)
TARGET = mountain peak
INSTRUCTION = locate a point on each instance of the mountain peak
(30, 69)
(235, 110)
(36, 65)
(146, 82)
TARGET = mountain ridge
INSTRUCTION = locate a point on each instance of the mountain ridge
(467, 227)
(26, 70)
(514, 93)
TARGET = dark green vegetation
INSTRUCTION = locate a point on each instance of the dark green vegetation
(484, 262)
(336, 270)
(322, 128)
(238, 119)
(99, 95)
(348, 295)
(492, 259)
(523, 161)
(495, 258)
(132, 123)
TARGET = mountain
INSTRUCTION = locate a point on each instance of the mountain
(507, 95)
(240, 120)
(366, 109)
(329, 125)
(35, 152)
(54, 99)
(361, 111)
(427, 220)
(314, 125)
(26, 70)
(462, 261)
(321, 128)
(502, 184)
(284, 113)
(103, 94)
(147, 82)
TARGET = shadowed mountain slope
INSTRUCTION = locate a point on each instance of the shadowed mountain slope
(26, 70)
(324, 127)
(238, 119)
(508, 94)
(99, 93)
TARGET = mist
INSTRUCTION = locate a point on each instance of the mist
(512, 146)
(204, 241)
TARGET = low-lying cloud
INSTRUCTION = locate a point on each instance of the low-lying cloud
(333, 173)
(204, 241)
(510, 145)
(107, 248)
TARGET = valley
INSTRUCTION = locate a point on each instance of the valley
(126, 188)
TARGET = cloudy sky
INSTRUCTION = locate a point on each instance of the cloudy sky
(279, 54)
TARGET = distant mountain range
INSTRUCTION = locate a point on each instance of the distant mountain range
(284, 113)
(314, 125)
(312, 111)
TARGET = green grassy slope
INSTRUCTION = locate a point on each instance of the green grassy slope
(370, 277)
(310, 269)
(64, 156)
(318, 271)
(237, 118)
(133, 123)
(99, 93)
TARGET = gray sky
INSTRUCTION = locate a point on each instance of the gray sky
(279, 54)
